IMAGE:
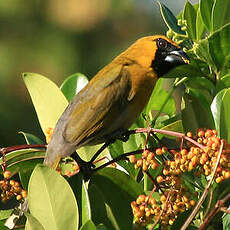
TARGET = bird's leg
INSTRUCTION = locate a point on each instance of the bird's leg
(121, 134)
(85, 167)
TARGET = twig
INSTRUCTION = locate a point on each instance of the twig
(162, 211)
(121, 157)
(166, 132)
(219, 206)
(19, 147)
(205, 193)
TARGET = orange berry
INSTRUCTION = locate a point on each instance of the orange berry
(24, 193)
(201, 133)
(192, 202)
(189, 134)
(139, 163)
(150, 156)
(154, 165)
(132, 159)
(159, 151)
(164, 149)
(7, 174)
(219, 179)
(145, 153)
(160, 179)
(19, 197)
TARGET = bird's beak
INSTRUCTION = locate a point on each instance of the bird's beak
(177, 57)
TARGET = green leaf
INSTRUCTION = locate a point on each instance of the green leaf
(73, 84)
(24, 175)
(170, 19)
(215, 50)
(4, 214)
(189, 14)
(23, 159)
(219, 11)
(224, 82)
(200, 27)
(101, 227)
(89, 225)
(226, 221)
(200, 83)
(197, 113)
(79, 186)
(51, 200)
(2, 226)
(182, 71)
(48, 100)
(32, 223)
(221, 112)
(159, 97)
(119, 147)
(116, 191)
(31, 139)
(206, 11)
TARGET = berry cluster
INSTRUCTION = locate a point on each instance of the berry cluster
(171, 203)
(202, 160)
(11, 188)
(147, 159)
(199, 155)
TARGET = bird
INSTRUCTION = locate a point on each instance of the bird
(114, 98)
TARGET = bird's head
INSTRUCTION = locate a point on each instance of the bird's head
(157, 52)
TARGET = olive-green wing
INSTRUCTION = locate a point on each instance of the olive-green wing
(91, 106)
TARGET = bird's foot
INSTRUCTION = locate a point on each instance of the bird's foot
(86, 168)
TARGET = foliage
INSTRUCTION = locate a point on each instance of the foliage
(104, 202)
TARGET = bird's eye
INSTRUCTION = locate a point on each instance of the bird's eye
(162, 43)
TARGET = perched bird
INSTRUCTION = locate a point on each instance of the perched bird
(115, 96)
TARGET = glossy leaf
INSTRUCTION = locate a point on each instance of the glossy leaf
(79, 187)
(4, 214)
(101, 227)
(21, 159)
(224, 82)
(158, 99)
(119, 147)
(170, 19)
(89, 225)
(182, 71)
(48, 100)
(31, 139)
(200, 27)
(32, 223)
(73, 84)
(56, 208)
(219, 11)
(189, 14)
(123, 189)
(196, 113)
(215, 49)
(221, 111)
(206, 11)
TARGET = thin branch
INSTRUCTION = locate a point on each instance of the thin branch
(19, 147)
(219, 206)
(205, 193)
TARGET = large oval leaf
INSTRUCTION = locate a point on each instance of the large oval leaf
(115, 191)
(170, 19)
(206, 11)
(48, 100)
(73, 84)
(189, 14)
(221, 112)
(51, 200)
